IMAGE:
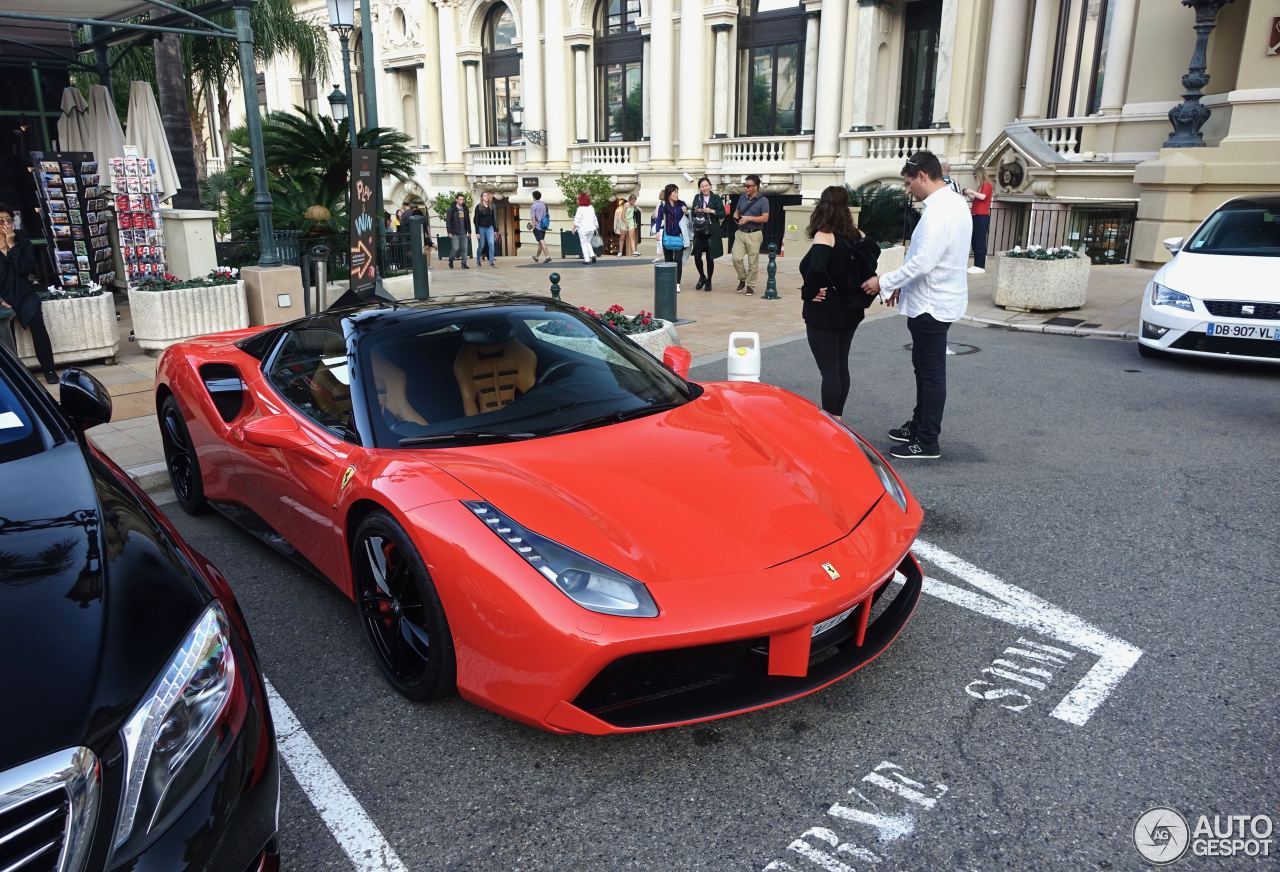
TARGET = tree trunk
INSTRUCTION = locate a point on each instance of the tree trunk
(196, 104)
(171, 82)
(224, 123)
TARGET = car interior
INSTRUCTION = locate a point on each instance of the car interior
(1243, 231)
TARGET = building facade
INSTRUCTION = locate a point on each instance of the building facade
(1065, 102)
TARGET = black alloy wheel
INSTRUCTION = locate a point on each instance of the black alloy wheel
(402, 616)
(180, 458)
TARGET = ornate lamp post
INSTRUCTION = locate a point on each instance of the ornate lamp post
(342, 20)
(1190, 115)
(537, 137)
(338, 104)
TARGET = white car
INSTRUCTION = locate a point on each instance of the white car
(1220, 295)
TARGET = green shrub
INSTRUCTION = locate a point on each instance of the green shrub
(595, 183)
(440, 205)
(886, 212)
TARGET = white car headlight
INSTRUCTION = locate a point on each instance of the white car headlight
(171, 741)
(1162, 296)
(892, 486)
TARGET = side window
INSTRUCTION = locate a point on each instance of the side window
(310, 371)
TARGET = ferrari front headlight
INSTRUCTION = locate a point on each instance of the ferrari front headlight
(892, 486)
(587, 582)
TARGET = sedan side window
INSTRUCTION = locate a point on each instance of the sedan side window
(310, 371)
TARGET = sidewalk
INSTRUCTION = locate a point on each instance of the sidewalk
(132, 439)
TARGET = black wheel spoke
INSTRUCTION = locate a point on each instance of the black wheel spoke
(377, 564)
(391, 607)
(415, 638)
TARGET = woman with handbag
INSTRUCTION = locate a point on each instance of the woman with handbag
(704, 220)
(587, 225)
(17, 259)
(622, 227)
(671, 211)
(837, 264)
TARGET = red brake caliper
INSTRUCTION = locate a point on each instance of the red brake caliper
(384, 606)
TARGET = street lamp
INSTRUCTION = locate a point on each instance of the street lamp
(338, 104)
(342, 20)
(537, 137)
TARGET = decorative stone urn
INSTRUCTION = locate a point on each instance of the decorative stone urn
(80, 328)
(161, 318)
(1027, 284)
(890, 259)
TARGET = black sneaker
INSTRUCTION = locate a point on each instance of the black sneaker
(905, 433)
(702, 283)
(916, 450)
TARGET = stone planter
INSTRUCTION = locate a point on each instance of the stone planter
(80, 328)
(891, 259)
(1025, 284)
(161, 318)
(654, 341)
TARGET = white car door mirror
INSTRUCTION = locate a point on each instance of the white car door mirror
(1174, 244)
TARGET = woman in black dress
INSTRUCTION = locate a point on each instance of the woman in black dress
(837, 264)
(17, 259)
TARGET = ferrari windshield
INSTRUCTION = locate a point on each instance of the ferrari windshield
(504, 373)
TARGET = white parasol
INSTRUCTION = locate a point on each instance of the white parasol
(146, 131)
(106, 139)
(73, 126)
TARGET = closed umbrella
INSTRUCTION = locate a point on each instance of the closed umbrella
(146, 131)
(73, 126)
(106, 139)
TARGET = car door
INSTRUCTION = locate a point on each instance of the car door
(295, 488)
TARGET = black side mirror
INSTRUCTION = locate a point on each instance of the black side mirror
(84, 400)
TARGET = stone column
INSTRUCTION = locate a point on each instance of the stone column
(720, 98)
(826, 128)
(1115, 81)
(865, 65)
(532, 79)
(428, 127)
(691, 90)
(646, 87)
(662, 56)
(453, 112)
(557, 118)
(1004, 57)
(810, 102)
(582, 104)
(475, 104)
(1033, 99)
(947, 52)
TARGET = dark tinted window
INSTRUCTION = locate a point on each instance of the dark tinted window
(19, 434)
(310, 371)
(1252, 230)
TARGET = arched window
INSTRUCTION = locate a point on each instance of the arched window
(770, 67)
(619, 72)
(501, 74)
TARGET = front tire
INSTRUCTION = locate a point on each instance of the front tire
(181, 460)
(401, 614)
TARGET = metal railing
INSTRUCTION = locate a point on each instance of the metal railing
(1104, 233)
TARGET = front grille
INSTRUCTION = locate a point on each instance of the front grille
(684, 684)
(48, 808)
(1228, 345)
(1232, 309)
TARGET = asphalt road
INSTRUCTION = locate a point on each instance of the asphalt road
(1136, 496)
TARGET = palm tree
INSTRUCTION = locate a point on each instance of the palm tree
(303, 142)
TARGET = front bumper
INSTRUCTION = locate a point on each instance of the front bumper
(1177, 331)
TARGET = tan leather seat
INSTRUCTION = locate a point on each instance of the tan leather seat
(330, 395)
(392, 385)
(492, 376)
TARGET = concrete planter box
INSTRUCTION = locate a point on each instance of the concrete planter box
(891, 259)
(654, 341)
(81, 328)
(161, 318)
(1026, 284)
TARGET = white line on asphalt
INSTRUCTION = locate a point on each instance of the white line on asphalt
(341, 812)
(1021, 608)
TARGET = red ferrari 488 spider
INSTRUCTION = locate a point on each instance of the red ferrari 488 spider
(529, 508)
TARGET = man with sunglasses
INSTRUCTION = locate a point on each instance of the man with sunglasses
(932, 288)
(751, 214)
(17, 259)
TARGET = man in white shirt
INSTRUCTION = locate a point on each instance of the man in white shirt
(932, 288)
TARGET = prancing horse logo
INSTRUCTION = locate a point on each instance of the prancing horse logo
(831, 571)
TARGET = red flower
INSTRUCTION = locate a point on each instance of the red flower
(615, 309)
(646, 320)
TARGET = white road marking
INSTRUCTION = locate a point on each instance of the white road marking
(341, 812)
(1021, 608)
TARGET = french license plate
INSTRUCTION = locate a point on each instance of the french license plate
(1242, 331)
(823, 626)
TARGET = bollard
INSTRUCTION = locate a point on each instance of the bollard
(555, 286)
(771, 286)
(320, 274)
(664, 291)
(744, 356)
(418, 255)
(677, 359)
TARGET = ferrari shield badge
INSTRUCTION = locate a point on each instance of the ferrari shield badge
(831, 571)
(346, 478)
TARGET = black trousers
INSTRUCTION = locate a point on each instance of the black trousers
(981, 223)
(830, 349)
(929, 358)
(701, 246)
(674, 255)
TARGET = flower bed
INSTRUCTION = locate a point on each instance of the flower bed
(1041, 279)
(81, 325)
(650, 333)
(166, 311)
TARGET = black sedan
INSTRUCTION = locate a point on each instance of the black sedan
(137, 733)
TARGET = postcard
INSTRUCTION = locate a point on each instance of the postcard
(49, 166)
(68, 169)
(77, 232)
(57, 206)
(52, 180)
(89, 166)
(77, 217)
(69, 183)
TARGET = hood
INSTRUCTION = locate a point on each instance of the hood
(1222, 277)
(742, 478)
(93, 602)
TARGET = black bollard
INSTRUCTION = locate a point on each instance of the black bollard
(771, 286)
(418, 256)
(664, 291)
(555, 286)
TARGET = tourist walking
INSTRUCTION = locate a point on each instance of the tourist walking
(486, 220)
(622, 227)
(705, 217)
(586, 225)
(17, 260)
(457, 223)
(671, 219)
(980, 209)
(751, 214)
(835, 267)
(932, 290)
(540, 223)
